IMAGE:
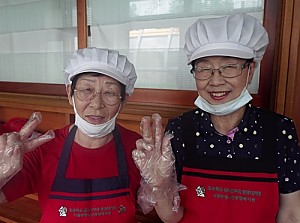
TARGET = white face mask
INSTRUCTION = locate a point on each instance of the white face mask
(95, 131)
(228, 107)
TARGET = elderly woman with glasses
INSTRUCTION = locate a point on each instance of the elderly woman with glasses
(227, 160)
(85, 173)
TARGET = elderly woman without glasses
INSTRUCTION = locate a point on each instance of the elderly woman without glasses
(83, 172)
(238, 163)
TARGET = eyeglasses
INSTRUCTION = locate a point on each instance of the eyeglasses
(227, 70)
(88, 94)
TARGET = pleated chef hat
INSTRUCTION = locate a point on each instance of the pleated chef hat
(104, 61)
(237, 35)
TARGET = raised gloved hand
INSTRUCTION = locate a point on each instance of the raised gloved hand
(13, 145)
(155, 159)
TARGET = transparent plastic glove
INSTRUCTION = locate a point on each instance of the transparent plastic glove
(155, 159)
(13, 145)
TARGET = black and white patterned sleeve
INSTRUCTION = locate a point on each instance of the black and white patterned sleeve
(288, 157)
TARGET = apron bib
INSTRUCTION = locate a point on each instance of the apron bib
(218, 193)
(90, 200)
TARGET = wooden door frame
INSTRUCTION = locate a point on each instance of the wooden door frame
(287, 94)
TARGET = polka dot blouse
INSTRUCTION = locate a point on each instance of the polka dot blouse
(244, 141)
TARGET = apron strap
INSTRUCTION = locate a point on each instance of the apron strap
(121, 158)
(63, 184)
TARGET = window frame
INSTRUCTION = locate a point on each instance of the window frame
(264, 97)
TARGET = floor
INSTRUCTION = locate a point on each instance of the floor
(23, 210)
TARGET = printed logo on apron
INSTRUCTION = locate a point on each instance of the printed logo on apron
(200, 191)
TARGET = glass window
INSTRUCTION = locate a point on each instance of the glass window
(151, 33)
(36, 38)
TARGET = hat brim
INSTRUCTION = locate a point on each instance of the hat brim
(228, 49)
(108, 71)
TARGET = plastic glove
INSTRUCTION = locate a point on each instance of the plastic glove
(13, 145)
(155, 160)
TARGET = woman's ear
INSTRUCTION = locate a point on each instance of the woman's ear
(69, 91)
(252, 66)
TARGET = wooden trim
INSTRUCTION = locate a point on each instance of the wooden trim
(166, 97)
(57, 112)
(141, 95)
(267, 83)
(82, 24)
(293, 73)
(292, 100)
(284, 48)
(172, 97)
(288, 94)
(33, 88)
(36, 102)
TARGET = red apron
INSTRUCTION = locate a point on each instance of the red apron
(90, 200)
(223, 190)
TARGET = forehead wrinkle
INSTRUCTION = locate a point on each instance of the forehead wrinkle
(91, 79)
(215, 59)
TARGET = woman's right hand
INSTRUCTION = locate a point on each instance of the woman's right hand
(14, 145)
(153, 155)
(155, 159)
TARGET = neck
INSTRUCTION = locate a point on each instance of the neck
(90, 142)
(223, 124)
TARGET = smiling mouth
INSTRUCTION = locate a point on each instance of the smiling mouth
(218, 95)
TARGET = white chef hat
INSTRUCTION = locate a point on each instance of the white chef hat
(237, 35)
(104, 61)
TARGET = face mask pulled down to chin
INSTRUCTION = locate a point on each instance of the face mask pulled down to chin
(226, 108)
(92, 130)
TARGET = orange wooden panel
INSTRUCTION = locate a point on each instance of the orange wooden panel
(51, 120)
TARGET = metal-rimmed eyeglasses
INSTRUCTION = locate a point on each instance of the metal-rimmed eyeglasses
(227, 71)
(88, 94)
